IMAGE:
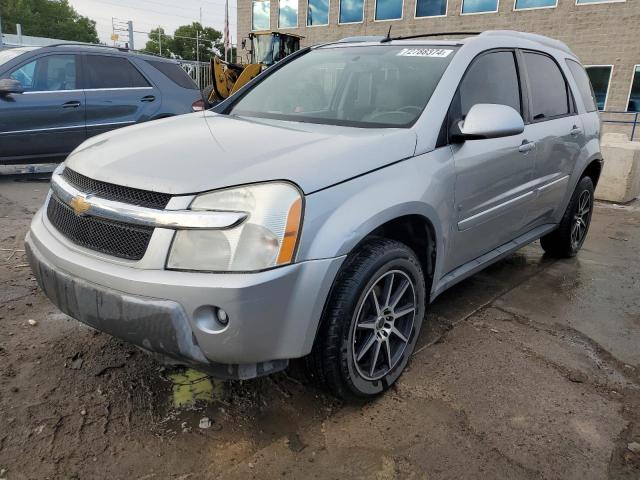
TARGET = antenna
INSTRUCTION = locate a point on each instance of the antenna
(388, 37)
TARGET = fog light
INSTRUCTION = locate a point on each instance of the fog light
(223, 318)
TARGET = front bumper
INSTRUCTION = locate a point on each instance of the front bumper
(273, 315)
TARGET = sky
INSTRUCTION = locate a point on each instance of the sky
(149, 14)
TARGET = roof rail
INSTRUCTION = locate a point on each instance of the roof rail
(361, 38)
(80, 44)
(534, 37)
(439, 34)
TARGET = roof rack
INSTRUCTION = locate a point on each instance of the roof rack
(439, 34)
(534, 37)
(80, 44)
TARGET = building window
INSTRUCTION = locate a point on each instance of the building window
(431, 8)
(479, 6)
(288, 14)
(600, 77)
(318, 12)
(261, 15)
(634, 95)
(531, 4)
(389, 9)
(586, 2)
(351, 11)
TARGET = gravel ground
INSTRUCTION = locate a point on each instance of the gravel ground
(530, 369)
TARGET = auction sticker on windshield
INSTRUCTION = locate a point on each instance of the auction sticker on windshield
(424, 52)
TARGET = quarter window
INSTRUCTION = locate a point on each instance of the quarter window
(584, 85)
(351, 11)
(260, 15)
(288, 14)
(48, 74)
(318, 12)
(491, 78)
(431, 8)
(389, 9)
(113, 72)
(479, 6)
(600, 77)
(634, 94)
(528, 4)
(547, 87)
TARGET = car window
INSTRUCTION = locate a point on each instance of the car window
(47, 74)
(547, 87)
(491, 78)
(105, 71)
(381, 86)
(584, 85)
(175, 73)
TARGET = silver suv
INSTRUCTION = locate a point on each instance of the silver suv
(319, 210)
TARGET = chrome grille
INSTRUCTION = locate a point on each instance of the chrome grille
(113, 238)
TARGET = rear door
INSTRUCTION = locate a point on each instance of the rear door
(493, 176)
(117, 93)
(46, 122)
(558, 133)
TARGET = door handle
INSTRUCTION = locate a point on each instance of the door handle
(71, 104)
(148, 98)
(526, 147)
(575, 131)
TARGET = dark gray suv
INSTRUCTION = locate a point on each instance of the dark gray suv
(53, 98)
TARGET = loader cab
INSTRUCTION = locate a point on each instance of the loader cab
(267, 48)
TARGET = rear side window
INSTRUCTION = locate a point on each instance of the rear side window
(175, 73)
(547, 87)
(112, 72)
(584, 85)
(491, 78)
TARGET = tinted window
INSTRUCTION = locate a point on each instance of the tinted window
(318, 12)
(288, 14)
(584, 85)
(547, 87)
(351, 11)
(174, 73)
(431, 8)
(634, 95)
(47, 74)
(388, 9)
(260, 15)
(479, 6)
(491, 78)
(112, 72)
(525, 4)
(600, 77)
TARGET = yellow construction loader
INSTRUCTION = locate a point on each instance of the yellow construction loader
(266, 48)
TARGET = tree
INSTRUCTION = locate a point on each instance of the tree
(47, 18)
(183, 43)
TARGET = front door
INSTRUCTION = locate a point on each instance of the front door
(46, 122)
(118, 94)
(493, 188)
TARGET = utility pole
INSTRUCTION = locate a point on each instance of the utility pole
(130, 25)
(198, 58)
(160, 39)
(0, 30)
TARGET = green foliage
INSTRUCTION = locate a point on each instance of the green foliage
(47, 18)
(183, 42)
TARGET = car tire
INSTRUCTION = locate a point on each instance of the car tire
(381, 281)
(567, 239)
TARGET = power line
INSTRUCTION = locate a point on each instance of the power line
(171, 14)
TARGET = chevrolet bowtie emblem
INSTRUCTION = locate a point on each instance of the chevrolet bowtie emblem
(79, 205)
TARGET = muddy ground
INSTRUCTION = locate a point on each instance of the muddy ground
(530, 369)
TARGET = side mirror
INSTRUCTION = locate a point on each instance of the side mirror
(9, 85)
(488, 120)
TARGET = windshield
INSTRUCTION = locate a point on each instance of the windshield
(6, 55)
(365, 86)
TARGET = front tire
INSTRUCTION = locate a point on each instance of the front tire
(567, 239)
(371, 322)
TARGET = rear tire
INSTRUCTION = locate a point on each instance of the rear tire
(567, 239)
(371, 321)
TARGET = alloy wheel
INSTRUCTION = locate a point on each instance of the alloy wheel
(581, 220)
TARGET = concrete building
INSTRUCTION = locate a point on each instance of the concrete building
(604, 34)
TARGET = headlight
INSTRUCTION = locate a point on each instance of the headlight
(267, 238)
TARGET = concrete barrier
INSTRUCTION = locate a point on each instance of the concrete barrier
(620, 178)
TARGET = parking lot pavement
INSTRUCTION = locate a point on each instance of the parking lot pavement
(530, 369)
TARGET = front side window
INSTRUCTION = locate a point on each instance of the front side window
(584, 85)
(261, 15)
(389, 9)
(528, 4)
(547, 87)
(479, 6)
(351, 11)
(634, 95)
(431, 8)
(288, 14)
(112, 72)
(600, 77)
(48, 74)
(382, 86)
(318, 12)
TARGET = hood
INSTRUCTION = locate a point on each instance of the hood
(195, 153)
